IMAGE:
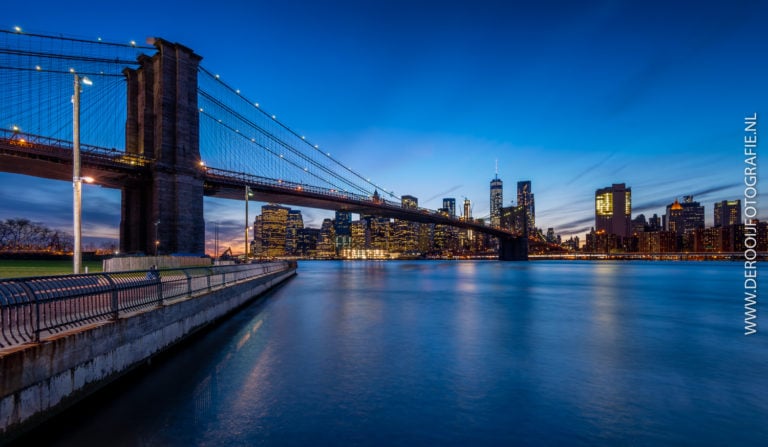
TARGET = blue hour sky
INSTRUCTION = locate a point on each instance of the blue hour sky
(425, 96)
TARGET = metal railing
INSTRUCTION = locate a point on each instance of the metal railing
(31, 308)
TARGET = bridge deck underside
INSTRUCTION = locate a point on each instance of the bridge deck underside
(116, 170)
(56, 163)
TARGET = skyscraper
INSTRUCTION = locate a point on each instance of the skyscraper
(684, 217)
(526, 201)
(294, 223)
(342, 230)
(274, 222)
(727, 212)
(467, 209)
(405, 232)
(613, 209)
(497, 201)
(449, 203)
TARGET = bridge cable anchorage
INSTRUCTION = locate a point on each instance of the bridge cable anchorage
(237, 94)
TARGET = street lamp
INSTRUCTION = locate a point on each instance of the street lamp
(157, 239)
(77, 180)
(248, 193)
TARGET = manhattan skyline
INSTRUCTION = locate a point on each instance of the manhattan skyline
(425, 98)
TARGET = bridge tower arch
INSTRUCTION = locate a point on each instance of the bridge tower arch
(163, 124)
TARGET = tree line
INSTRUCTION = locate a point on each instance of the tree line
(25, 235)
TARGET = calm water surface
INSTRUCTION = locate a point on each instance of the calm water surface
(460, 353)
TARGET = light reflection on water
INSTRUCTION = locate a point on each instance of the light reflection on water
(462, 353)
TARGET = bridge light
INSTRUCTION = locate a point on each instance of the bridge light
(201, 109)
(256, 104)
(17, 29)
(202, 163)
(99, 39)
(274, 117)
(216, 76)
(133, 43)
(237, 91)
(87, 179)
(303, 137)
(253, 140)
(38, 68)
(86, 81)
(317, 147)
(71, 70)
(16, 128)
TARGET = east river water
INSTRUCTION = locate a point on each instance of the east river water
(458, 354)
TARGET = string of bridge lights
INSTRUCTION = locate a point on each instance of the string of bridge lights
(303, 138)
(268, 149)
(290, 148)
(133, 44)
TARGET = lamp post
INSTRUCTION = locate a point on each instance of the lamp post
(157, 240)
(77, 180)
(248, 193)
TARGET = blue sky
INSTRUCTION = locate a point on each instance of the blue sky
(425, 96)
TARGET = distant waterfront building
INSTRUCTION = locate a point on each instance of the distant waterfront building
(404, 234)
(525, 200)
(257, 247)
(326, 247)
(613, 210)
(358, 235)
(639, 224)
(274, 223)
(551, 238)
(294, 223)
(449, 203)
(727, 212)
(342, 232)
(684, 217)
(654, 223)
(467, 209)
(307, 242)
(497, 193)
(380, 233)
(657, 242)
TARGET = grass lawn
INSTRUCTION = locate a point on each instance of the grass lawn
(20, 268)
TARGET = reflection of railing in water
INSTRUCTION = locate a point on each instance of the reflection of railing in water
(31, 308)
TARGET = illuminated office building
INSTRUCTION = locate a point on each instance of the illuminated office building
(613, 209)
(294, 223)
(405, 233)
(274, 223)
(525, 200)
(497, 194)
(727, 212)
(449, 204)
(683, 218)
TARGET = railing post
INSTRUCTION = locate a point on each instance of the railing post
(114, 304)
(34, 311)
(208, 274)
(159, 290)
(189, 282)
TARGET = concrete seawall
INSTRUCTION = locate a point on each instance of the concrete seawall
(39, 380)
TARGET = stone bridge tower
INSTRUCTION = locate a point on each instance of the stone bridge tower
(163, 125)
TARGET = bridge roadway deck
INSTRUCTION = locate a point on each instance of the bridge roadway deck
(48, 158)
